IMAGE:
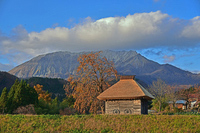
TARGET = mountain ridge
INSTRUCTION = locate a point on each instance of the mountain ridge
(62, 64)
(6, 80)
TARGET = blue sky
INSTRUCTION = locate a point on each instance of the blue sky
(166, 31)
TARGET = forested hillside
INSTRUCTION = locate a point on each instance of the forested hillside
(53, 85)
(6, 80)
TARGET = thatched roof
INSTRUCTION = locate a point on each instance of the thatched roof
(126, 88)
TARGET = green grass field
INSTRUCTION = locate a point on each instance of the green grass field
(100, 123)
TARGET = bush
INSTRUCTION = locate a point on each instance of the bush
(155, 105)
(67, 111)
(177, 110)
(28, 109)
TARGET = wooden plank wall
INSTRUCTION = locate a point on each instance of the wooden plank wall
(123, 107)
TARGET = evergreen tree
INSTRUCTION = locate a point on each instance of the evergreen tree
(21, 94)
(10, 105)
(33, 96)
(54, 107)
(24, 95)
(3, 100)
(55, 102)
(17, 98)
(67, 102)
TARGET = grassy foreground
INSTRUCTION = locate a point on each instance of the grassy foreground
(100, 123)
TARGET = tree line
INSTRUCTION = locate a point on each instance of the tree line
(25, 99)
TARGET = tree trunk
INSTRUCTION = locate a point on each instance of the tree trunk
(102, 107)
(102, 110)
(174, 104)
(160, 105)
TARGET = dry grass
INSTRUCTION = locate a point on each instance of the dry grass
(100, 123)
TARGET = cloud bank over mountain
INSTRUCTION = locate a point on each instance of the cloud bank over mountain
(5, 67)
(137, 31)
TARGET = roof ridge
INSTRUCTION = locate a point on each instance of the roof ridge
(127, 77)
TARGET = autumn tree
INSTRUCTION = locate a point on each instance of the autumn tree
(186, 92)
(91, 79)
(42, 94)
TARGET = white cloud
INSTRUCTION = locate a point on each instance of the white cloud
(5, 67)
(138, 31)
(196, 72)
(192, 30)
(168, 59)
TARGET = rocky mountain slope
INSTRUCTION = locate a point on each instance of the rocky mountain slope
(62, 64)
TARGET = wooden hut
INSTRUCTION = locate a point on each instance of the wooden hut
(126, 97)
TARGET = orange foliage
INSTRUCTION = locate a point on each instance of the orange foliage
(189, 94)
(42, 94)
(91, 79)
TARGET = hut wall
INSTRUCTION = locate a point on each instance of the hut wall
(144, 106)
(123, 107)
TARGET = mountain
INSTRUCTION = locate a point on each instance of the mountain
(62, 64)
(6, 80)
(53, 65)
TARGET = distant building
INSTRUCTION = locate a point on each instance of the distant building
(126, 97)
(194, 100)
(181, 104)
